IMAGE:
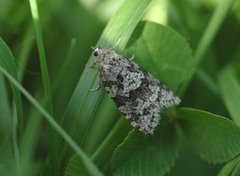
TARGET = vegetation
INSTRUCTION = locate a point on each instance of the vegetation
(51, 123)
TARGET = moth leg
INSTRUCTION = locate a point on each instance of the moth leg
(131, 58)
(97, 88)
(93, 64)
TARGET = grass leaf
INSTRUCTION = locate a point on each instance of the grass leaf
(214, 25)
(7, 159)
(82, 106)
(91, 168)
(7, 62)
(230, 89)
(104, 153)
(42, 56)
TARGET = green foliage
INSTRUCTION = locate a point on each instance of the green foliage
(7, 61)
(230, 168)
(215, 138)
(85, 134)
(146, 155)
(231, 92)
(150, 42)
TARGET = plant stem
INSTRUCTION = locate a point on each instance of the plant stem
(42, 56)
(216, 20)
(114, 138)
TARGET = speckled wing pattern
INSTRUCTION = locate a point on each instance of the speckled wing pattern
(138, 95)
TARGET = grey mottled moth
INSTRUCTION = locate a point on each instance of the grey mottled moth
(138, 95)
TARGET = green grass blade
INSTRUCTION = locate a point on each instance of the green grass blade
(83, 103)
(29, 141)
(114, 138)
(107, 108)
(7, 158)
(65, 66)
(103, 155)
(214, 25)
(120, 27)
(230, 89)
(7, 61)
(42, 56)
(32, 130)
(92, 169)
(5, 109)
(209, 34)
(25, 50)
(43, 65)
(229, 167)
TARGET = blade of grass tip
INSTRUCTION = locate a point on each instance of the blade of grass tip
(215, 22)
(42, 56)
(92, 169)
(84, 102)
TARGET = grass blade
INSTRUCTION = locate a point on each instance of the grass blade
(230, 89)
(92, 169)
(42, 56)
(229, 167)
(7, 61)
(214, 24)
(79, 113)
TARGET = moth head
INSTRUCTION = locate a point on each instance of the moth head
(96, 50)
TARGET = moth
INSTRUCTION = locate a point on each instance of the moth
(138, 95)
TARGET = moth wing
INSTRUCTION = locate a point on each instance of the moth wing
(144, 119)
(167, 98)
